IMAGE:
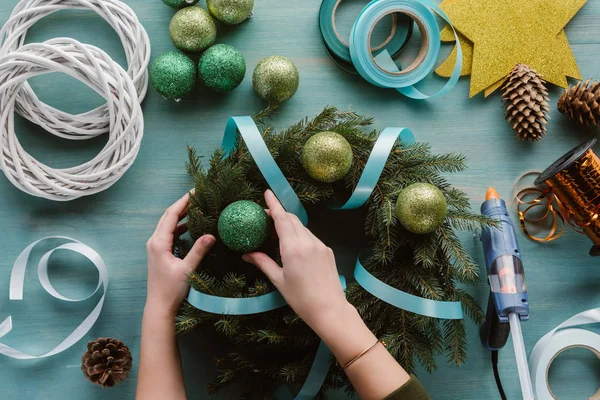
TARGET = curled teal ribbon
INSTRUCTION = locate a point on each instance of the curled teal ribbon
(385, 143)
(381, 70)
(340, 52)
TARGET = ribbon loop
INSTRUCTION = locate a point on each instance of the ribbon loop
(382, 70)
(17, 281)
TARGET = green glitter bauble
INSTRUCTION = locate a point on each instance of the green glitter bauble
(327, 156)
(276, 79)
(192, 29)
(180, 3)
(222, 68)
(173, 75)
(421, 208)
(230, 12)
(243, 226)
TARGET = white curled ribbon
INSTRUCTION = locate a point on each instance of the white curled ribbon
(563, 337)
(17, 280)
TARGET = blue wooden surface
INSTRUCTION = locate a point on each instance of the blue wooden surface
(562, 279)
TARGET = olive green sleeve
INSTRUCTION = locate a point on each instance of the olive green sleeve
(411, 390)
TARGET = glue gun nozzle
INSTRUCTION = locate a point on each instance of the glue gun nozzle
(491, 194)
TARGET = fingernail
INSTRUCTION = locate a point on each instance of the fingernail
(208, 240)
(246, 258)
(269, 192)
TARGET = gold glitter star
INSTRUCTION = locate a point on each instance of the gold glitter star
(508, 32)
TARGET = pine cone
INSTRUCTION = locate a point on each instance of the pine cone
(525, 97)
(106, 362)
(580, 103)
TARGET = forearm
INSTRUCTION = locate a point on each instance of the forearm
(376, 374)
(160, 374)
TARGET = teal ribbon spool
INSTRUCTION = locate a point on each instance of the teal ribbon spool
(249, 132)
(381, 70)
(338, 48)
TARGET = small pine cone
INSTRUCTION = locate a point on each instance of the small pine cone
(581, 103)
(106, 362)
(525, 97)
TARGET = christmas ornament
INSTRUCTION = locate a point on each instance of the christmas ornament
(222, 68)
(276, 79)
(421, 208)
(243, 226)
(173, 75)
(230, 12)
(180, 3)
(525, 97)
(128, 28)
(580, 103)
(106, 362)
(97, 70)
(327, 156)
(508, 32)
(192, 29)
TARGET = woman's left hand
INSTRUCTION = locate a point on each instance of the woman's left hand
(167, 274)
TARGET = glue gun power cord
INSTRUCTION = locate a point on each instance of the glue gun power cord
(497, 374)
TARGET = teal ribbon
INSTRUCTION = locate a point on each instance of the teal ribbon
(264, 161)
(381, 70)
(274, 177)
(403, 300)
(339, 51)
(375, 164)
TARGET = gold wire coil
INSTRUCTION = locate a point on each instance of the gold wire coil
(569, 193)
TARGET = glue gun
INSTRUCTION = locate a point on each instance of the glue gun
(508, 303)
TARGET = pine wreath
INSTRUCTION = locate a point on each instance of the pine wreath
(274, 348)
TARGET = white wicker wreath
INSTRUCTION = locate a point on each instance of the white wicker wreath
(98, 71)
(137, 50)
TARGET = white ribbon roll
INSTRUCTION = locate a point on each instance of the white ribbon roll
(563, 337)
(17, 279)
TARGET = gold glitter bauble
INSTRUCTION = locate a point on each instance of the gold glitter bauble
(421, 208)
(327, 156)
(275, 79)
(192, 29)
(230, 12)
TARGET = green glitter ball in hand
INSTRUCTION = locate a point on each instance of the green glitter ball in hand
(192, 29)
(222, 68)
(276, 79)
(327, 156)
(230, 12)
(421, 208)
(173, 75)
(243, 226)
(180, 3)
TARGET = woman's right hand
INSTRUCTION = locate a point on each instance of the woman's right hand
(309, 279)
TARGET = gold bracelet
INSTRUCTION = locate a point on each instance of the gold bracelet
(349, 363)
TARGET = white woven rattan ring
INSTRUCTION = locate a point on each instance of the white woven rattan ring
(137, 50)
(97, 70)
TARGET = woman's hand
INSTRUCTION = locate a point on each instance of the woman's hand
(309, 279)
(167, 274)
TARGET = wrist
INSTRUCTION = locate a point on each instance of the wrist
(159, 311)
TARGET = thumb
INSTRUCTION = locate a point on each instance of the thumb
(268, 267)
(199, 251)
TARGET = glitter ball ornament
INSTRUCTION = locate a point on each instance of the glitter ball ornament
(421, 208)
(173, 75)
(327, 156)
(222, 68)
(243, 226)
(180, 3)
(192, 29)
(276, 79)
(230, 12)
